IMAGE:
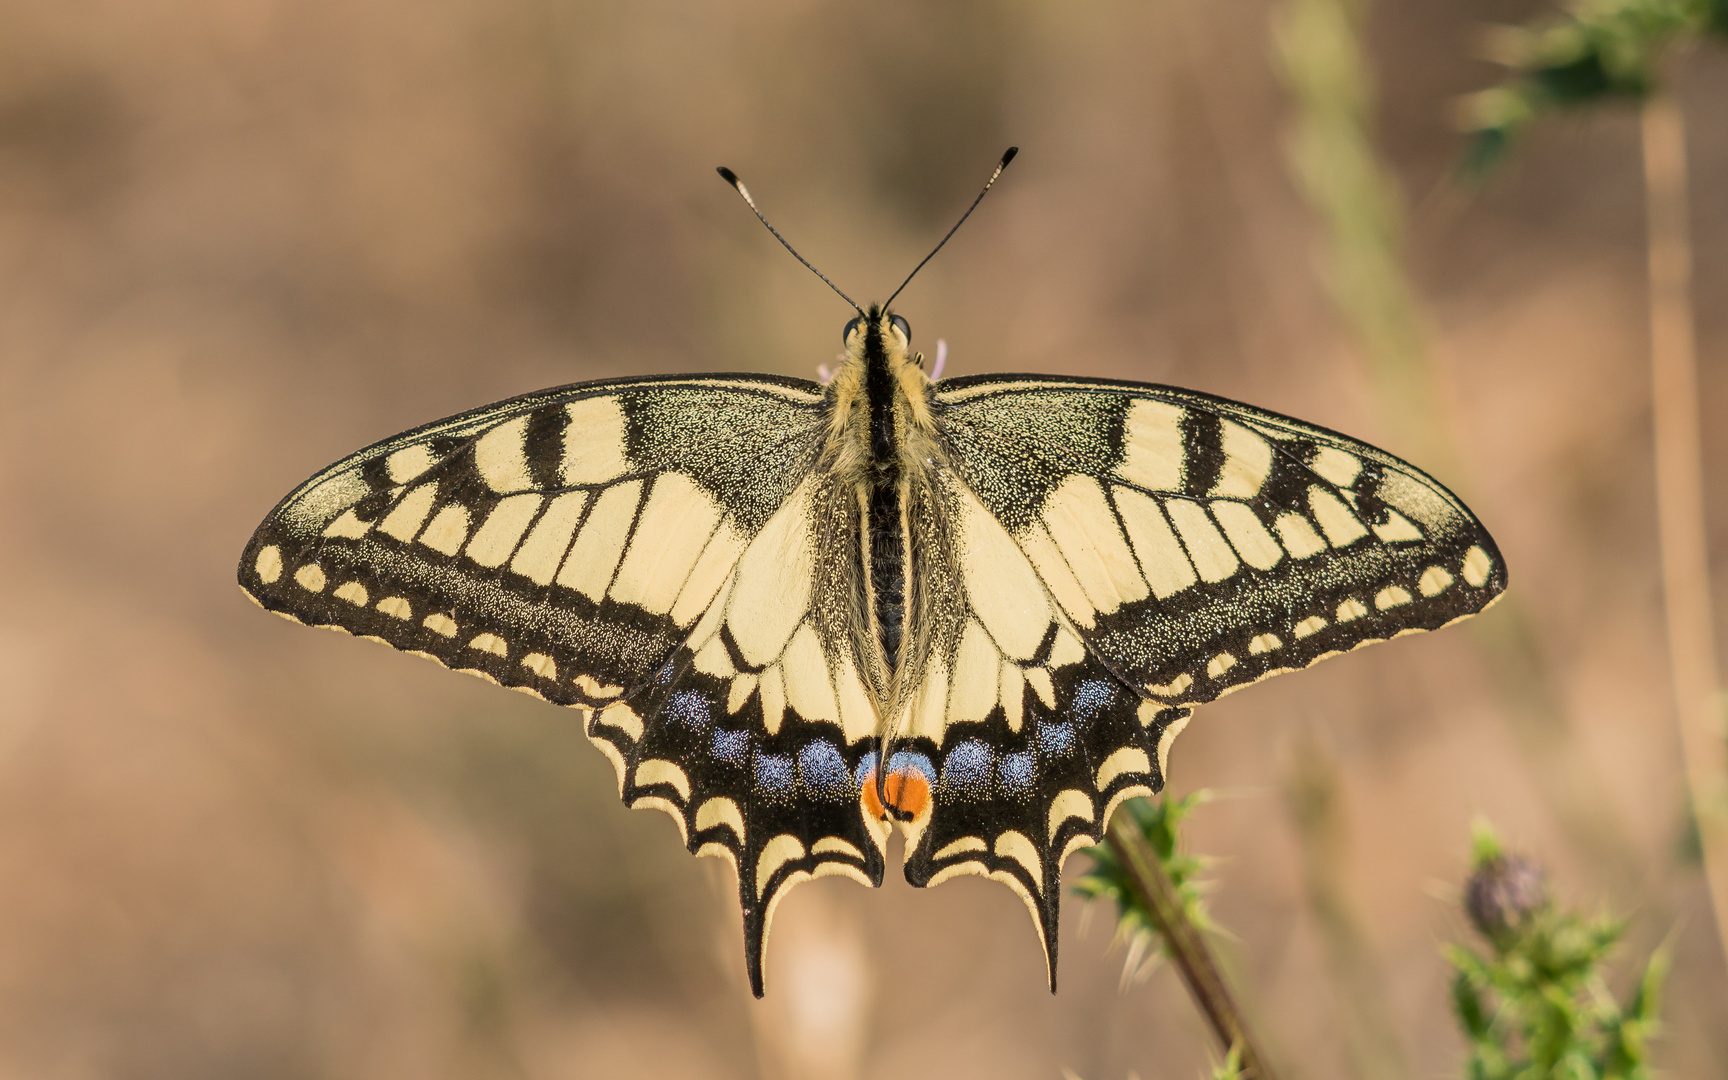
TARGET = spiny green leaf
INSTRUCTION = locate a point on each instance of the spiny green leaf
(1231, 1067)
(1468, 1002)
(1158, 821)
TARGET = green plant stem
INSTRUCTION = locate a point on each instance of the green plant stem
(1687, 594)
(1187, 947)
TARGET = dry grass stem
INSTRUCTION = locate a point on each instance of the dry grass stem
(1680, 491)
(1354, 194)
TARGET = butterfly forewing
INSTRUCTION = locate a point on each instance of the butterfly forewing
(562, 543)
(1198, 545)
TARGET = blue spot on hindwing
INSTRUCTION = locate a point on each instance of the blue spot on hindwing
(1017, 773)
(1091, 698)
(731, 746)
(866, 766)
(663, 674)
(776, 778)
(823, 772)
(1055, 740)
(966, 770)
(689, 710)
(912, 761)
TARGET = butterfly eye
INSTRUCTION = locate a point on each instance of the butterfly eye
(846, 334)
(904, 327)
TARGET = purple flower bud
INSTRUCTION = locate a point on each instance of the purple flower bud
(1503, 893)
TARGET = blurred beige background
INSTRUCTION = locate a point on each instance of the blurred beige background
(242, 238)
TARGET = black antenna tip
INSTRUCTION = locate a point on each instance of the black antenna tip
(1000, 165)
(732, 178)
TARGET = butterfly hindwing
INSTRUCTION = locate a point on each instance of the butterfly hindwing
(644, 550)
(1027, 742)
(765, 707)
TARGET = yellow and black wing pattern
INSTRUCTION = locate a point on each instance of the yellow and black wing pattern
(1123, 552)
(647, 551)
(683, 560)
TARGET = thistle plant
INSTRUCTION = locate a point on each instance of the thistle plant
(1536, 1005)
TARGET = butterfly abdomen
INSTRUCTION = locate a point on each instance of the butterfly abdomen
(887, 524)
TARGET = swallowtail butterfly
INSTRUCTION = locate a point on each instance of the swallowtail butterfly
(797, 616)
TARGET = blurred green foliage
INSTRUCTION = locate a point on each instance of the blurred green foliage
(1536, 1005)
(1597, 50)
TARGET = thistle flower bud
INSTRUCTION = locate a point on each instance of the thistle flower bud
(1503, 893)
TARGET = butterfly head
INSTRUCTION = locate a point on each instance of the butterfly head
(880, 388)
(879, 338)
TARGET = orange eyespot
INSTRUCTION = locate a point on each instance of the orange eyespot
(906, 789)
(908, 793)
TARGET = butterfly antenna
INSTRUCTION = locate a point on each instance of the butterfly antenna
(738, 185)
(1000, 165)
